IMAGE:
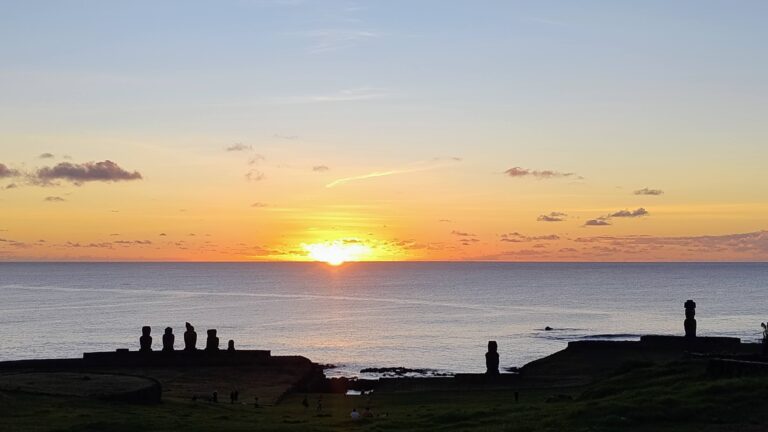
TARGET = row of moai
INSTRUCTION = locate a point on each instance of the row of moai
(190, 340)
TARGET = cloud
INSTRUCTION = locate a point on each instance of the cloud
(418, 166)
(516, 237)
(646, 191)
(104, 245)
(552, 217)
(106, 171)
(518, 172)
(255, 176)
(238, 147)
(259, 204)
(163, 235)
(46, 156)
(751, 245)
(12, 186)
(133, 242)
(54, 199)
(597, 222)
(345, 95)
(320, 168)
(286, 137)
(7, 172)
(629, 213)
(445, 220)
(326, 40)
(255, 159)
(462, 234)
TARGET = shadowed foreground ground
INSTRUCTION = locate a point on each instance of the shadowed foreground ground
(672, 397)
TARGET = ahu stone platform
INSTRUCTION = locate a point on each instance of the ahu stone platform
(122, 358)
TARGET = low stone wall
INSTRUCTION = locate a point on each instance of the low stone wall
(105, 386)
(728, 368)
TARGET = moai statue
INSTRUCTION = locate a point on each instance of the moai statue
(212, 344)
(231, 345)
(690, 321)
(190, 338)
(492, 359)
(168, 339)
(145, 341)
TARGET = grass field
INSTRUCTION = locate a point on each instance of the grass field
(674, 397)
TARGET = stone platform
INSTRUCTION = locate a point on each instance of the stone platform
(121, 358)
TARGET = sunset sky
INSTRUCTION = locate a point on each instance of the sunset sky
(393, 130)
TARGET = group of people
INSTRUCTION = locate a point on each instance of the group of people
(234, 397)
(355, 414)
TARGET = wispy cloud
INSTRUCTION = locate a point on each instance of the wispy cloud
(462, 234)
(629, 213)
(605, 220)
(238, 147)
(646, 191)
(7, 172)
(519, 172)
(286, 137)
(516, 237)
(326, 40)
(552, 217)
(54, 199)
(419, 166)
(345, 95)
(259, 205)
(320, 168)
(597, 222)
(255, 176)
(46, 156)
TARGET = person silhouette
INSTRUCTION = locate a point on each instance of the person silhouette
(354, 415)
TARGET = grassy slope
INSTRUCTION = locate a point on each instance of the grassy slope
(676, 397)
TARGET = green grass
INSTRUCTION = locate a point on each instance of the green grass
(675, 397)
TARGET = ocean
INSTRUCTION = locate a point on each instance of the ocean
(358, 315)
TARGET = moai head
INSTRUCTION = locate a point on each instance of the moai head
(168, 330)
(492, 346)
(212, 333)
(231, 345)
(690, 309)
(189, 327)
(146, 330)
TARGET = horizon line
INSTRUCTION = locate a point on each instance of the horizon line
(368, 262)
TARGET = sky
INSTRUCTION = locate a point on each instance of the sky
(261, 130)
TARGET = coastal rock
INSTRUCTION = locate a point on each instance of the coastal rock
(168, 339)
(145, 341)
(212, 344)
(392, 372)
(190, 338)
(492, 359)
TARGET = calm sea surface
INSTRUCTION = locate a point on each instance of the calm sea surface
(419, 315)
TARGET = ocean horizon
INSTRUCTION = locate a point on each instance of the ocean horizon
(434, 315)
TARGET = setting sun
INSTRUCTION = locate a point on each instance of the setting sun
(337, 252)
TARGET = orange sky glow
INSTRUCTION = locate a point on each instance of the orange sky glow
(316, 131)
